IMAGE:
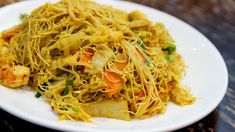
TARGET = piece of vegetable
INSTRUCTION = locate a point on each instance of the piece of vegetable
(170, 48)
(102, 56)
(148, 62)
(114, 36)
(170, 57)
(135, 52)
(74, 41)
(141, 46)
(37, 95)
(169, 52)
(23, 16)
(109, 108)
(66, 90)
(113, 81)
(69, 83)
(120, 65)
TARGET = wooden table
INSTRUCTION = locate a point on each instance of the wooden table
(216, 20)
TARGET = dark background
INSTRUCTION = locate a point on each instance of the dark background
(216, 20)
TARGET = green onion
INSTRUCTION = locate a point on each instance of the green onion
(69, 82)
(37, 95)
(148, 62)
(66, 90)
(170, 57)
(23, 17)
(141, 44)
(170, 48)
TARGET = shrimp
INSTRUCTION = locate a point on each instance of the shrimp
(14, 76)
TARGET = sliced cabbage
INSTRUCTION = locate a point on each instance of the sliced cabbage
(117, 109)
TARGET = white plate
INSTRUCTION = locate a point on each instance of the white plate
(206, 76)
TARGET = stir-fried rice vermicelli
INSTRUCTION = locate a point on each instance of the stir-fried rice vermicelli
(88, 59)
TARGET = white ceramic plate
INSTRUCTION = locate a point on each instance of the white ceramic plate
(206, 76)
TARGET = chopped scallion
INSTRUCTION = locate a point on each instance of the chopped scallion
(170, 57)
(140, 43)
(23, 17)
(170, 48)
(66, 90)
(37, 95)
(148, 62)
(69, 82)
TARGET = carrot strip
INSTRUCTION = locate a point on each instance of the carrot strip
(113, 81)
(87, 55)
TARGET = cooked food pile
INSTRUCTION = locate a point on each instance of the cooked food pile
(91, 60)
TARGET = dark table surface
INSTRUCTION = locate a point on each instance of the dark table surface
(216, 20)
